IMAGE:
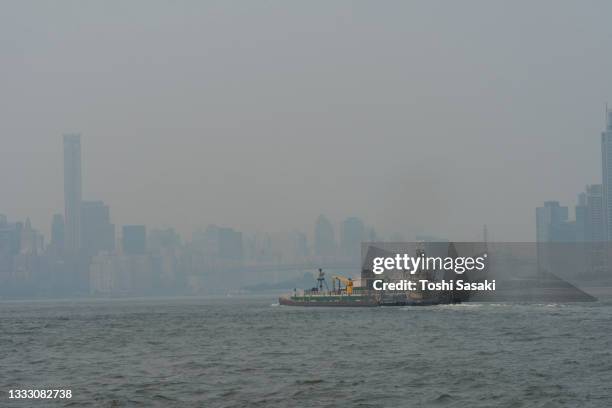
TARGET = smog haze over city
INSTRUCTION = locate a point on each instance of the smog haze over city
(306, 203)
(153, 147)
(261, 116)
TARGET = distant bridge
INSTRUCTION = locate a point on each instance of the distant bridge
(304, 266)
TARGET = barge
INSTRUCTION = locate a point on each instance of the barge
(344, 293)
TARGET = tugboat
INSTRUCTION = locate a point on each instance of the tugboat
(345, 292)
(347, 296)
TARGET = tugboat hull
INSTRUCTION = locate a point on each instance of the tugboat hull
(330, 302)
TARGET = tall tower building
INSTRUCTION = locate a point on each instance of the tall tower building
(594, 214)
(606, 165)
(72, 191)
(596, 247)
(57, 232)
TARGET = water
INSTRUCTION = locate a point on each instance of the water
(240, 352)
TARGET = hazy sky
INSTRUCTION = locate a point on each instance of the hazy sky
(418, 116)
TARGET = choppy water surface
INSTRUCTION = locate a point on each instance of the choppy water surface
(247, 352)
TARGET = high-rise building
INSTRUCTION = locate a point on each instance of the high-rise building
(594, 214)
(31, 241)
(606, 166)
(57, 232)
(159, 239)
(551, 223)
(72, 191)
(552, 226)
(97, 232)
(10, 237)
(134, 239)
(324, 241)
(581, 216)
(222, 242)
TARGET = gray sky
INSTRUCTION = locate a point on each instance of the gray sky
(414, 115)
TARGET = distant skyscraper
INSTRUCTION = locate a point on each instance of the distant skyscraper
(581, 217)
(595, 232)
(606, 164)
(10, 241)
(159, 239)
(324, 241)
(551, 222)
(31, 241)
(134, 239)
(552, 226)
(72, 191)
(97, 232)
(7, 242)
(57, 232)
(594, 217)
(222, 242)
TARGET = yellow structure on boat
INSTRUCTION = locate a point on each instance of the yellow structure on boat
(348, 282)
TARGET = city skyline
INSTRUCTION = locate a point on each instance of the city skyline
(73, 186)
(85, 256)
(72, 146)
(347, 109)
(74, 205)
(590, 221)
(87, 224)
(553, 222)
